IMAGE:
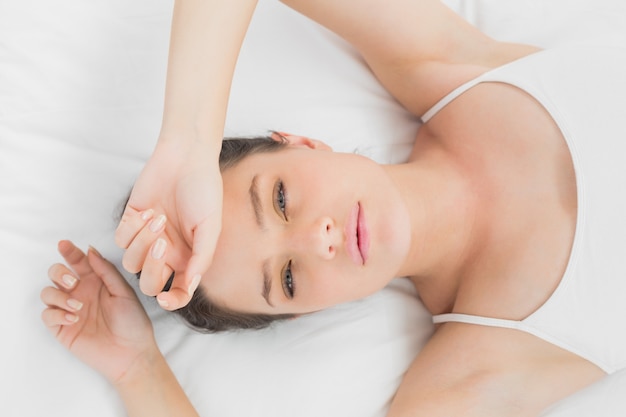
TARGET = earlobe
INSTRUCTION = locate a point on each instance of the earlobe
(302, 141)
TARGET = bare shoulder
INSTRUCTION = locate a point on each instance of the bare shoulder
(448, 378)
(473, 370)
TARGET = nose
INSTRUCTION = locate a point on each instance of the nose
(320, 237)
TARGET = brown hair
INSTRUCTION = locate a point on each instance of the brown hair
(201, 313)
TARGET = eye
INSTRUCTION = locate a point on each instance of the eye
(288, 283)
(280, 199)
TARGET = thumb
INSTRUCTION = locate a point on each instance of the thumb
(180, 293)
(202, 250)
(108, 273)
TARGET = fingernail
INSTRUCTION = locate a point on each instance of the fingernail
(157, 224)
(72, 318)
(74, 304)
(194, 284)
(145, 215)
(91, 248)
(162, 303)
(68, 280)
(158, 250)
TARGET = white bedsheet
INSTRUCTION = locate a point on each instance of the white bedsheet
(81, 91)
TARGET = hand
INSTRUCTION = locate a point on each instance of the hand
(95, 314)
(183, 182)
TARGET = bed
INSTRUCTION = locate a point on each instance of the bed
(81, 92)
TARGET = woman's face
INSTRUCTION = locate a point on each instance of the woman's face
(305, 228)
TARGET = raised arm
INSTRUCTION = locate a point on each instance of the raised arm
(181, 180)
(419, 49)
(204, 45)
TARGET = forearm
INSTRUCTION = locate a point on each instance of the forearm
(204, 45)
(151, 389)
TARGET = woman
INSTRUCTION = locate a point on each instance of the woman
(507, 218)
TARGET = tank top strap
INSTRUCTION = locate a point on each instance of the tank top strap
(515, 325)
(479, 320)
(448, 98)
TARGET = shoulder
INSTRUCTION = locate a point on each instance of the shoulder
(463, 371)
(468, 370)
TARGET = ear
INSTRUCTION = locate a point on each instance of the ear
(302, 141)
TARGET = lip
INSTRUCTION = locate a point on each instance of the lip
(363, 236)
(357, 236)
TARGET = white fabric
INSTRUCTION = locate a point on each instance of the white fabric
(583, 88)
(81, 92)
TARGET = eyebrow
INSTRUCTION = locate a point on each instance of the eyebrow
(256, 203)
(267, 283)
(258, 215)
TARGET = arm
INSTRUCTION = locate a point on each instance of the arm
(182, 179)
(204, 45)
(151, 389)
(95, 314)
(419, 49)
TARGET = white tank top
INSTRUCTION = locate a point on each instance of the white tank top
(583, 88)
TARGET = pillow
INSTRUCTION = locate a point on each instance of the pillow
(81, 92)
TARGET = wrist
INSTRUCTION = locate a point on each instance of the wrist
(143, 368)
(150, 388)
(181, 139)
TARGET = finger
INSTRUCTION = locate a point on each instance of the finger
(174, 299)
(75, 258)
(181, 291)
(63, 277)
(54, 317)
(204, 241)
(109, 275)
(155, 272)
(130, 225)
(53, 297)
(136, 253)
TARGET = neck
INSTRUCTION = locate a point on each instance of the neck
(442, 205)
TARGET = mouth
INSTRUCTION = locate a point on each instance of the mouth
(362, 235)
(357, 236)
